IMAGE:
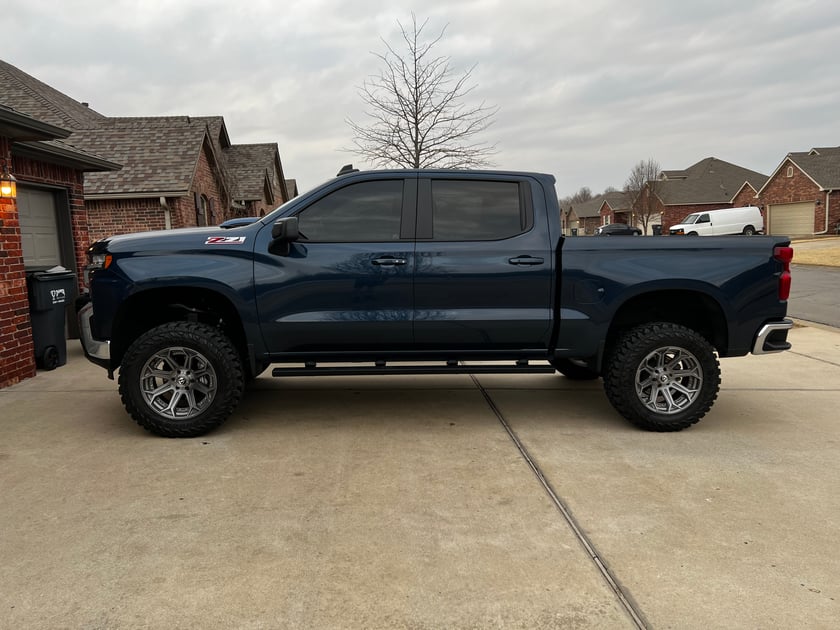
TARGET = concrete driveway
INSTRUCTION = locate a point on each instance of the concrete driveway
(434, 502)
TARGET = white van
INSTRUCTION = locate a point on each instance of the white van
(746, 220)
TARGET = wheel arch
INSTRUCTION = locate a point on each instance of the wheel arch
(149, 308)
(691, 308)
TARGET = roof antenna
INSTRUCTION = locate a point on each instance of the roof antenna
(347, 168)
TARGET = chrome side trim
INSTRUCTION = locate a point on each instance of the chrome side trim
(758, 346)
(93, 347)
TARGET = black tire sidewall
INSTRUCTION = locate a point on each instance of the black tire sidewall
(205, 339)
(632, 348)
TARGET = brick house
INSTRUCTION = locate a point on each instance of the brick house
(582, 218)
(88, 176)
(173, 176)
(802, 196)
(585, 217)
(616, 207)
(707, 185)
(44, 226)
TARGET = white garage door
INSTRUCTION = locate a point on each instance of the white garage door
(38, 228)
(791, 219)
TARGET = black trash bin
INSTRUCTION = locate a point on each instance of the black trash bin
(657, 229)
(49, 295)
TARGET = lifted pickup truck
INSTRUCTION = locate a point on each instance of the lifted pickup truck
(419, 272)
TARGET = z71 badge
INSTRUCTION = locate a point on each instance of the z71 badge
(224, 240)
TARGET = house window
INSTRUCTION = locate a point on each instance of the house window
(201, 211)
(790, 171)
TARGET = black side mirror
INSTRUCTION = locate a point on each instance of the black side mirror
(285, 229)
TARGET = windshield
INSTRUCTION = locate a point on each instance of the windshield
(691, 218)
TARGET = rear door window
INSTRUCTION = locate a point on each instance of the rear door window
(473, 210)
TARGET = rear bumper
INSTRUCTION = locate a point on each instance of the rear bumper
(772, 337)
(97, 351)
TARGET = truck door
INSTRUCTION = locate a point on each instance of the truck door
(483, 274)
(346, 283)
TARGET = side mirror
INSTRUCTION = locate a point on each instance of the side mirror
(285, 229)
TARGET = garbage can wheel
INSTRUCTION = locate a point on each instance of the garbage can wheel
(50, 359)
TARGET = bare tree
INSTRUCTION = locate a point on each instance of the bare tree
(641, 186)
(416, 115)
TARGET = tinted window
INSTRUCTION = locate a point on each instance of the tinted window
(476, 211)
(363, 212)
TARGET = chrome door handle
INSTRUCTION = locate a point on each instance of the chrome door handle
(526, 260)
(388, 262)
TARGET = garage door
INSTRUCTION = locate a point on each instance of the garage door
(791, 219)
(38, 228)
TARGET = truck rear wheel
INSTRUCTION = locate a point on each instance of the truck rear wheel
(662, 376)
(181, 379)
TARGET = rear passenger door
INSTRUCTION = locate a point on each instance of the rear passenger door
(483, 274)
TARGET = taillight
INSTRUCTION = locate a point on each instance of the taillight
(784, 255)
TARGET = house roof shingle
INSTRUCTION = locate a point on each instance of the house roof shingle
(32, 97)
(158, 154)
(708, 181)
(248, 163)
(820, 164)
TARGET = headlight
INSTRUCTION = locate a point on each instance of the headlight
(97, 260)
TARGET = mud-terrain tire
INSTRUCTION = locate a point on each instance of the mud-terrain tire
(573, 371)
(662, 376)
(181, 379)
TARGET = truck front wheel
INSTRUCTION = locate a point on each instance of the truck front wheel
(662, 376)
(181, 379)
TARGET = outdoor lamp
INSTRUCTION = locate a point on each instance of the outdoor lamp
(8, 184)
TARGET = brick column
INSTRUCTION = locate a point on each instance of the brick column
(17, 353)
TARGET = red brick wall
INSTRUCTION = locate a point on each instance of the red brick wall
(108, 217)
(17, 353)
(746, 197)
(208, 183)
(834, 213)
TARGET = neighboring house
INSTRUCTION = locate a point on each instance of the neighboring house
(256, 192)
(616, 207)
(583, 217)
(709, 184)
(45, 225)
(291, 189)
(802, 196)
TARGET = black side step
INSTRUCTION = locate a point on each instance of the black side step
(451, 367)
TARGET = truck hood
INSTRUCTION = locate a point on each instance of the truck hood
(179, 239)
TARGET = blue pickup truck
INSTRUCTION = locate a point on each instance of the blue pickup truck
(420, 272)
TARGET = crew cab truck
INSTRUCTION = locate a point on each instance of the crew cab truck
(426, 271)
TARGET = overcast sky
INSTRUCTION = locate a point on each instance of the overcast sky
(585, 89)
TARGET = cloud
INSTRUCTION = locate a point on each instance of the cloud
(585, 90)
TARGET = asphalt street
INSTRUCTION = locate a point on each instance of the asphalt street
(815, 294)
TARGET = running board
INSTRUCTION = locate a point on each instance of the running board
(380, 367)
